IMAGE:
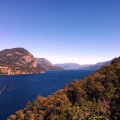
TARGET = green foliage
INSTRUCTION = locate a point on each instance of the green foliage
(96, 97)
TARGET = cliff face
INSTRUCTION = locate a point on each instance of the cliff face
(18, 61)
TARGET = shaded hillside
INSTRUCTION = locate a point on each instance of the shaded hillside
(47, 65)
(96, 97)
(18, 61)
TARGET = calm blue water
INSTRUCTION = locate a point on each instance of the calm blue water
(28, 87)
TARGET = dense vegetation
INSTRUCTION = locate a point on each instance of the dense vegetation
(96, 97)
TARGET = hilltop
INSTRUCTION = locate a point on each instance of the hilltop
(18, 61)
(96, 97)
(47, 65)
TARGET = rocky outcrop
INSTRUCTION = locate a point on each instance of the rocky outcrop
(18, 61)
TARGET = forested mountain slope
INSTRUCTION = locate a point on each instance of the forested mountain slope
(96, 97)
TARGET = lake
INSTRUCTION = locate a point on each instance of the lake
(27, 87)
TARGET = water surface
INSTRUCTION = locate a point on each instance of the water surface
(28, 87)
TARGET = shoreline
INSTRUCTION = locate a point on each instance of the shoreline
(22, 74)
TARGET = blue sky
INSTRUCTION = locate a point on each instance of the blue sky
(82, 31)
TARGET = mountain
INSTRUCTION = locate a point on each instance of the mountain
(96, 97)
(69, 66)
(18, 61)
(75, 66)
(98, 65)
(47, 65)
(44, 63)
(94, 66)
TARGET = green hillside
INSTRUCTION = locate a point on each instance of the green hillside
(96, 97)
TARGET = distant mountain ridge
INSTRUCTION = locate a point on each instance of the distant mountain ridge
(68, 66)
(75, 66)
(18, 61)
(96, 66)
(21, 61)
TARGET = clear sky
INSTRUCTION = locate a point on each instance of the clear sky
(82, 31)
